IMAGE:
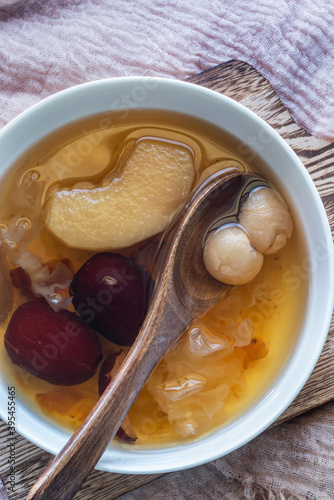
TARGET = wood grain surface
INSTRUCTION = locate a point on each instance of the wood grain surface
(244, 84)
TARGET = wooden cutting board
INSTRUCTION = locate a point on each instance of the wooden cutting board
(244, 84)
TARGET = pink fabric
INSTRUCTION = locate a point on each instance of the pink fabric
(46, 46)
(49, 45)
(292, 462)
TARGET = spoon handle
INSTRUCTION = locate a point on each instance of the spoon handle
(64, 476)
(184, 292)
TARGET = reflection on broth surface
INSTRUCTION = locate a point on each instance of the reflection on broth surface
(104, 185)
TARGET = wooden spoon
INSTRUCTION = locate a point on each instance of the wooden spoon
(185, 291)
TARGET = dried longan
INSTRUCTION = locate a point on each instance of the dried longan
(230, 257)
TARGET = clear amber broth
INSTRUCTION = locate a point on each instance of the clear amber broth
(84, 155)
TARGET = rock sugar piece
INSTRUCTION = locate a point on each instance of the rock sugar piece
(156, 179)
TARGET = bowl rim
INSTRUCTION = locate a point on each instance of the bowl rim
(278, 396)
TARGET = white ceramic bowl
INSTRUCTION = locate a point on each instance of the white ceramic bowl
(284, 168)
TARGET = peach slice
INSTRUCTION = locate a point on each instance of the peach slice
(156, 179)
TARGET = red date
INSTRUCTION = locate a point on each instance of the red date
(22, 282)
(111, 293)
(107, 372)
(57, 347)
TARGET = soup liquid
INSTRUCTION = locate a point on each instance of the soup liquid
(225, 361)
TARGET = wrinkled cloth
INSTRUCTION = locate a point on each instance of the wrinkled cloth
(47, 46)
(294, 461)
